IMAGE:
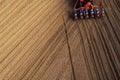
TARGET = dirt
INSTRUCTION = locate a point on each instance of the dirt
(39, 40)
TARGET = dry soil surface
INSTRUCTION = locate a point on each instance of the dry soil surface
(40, 41)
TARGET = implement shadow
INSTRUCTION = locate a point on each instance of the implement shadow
(70, 13)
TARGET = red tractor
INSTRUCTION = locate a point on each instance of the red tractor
(86, 9)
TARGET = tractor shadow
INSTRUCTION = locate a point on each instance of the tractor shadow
(70, 12)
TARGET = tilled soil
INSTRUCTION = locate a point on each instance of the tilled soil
(39, 40)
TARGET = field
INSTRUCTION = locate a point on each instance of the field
(39, 40)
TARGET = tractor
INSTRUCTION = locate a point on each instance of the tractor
(86, 9)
